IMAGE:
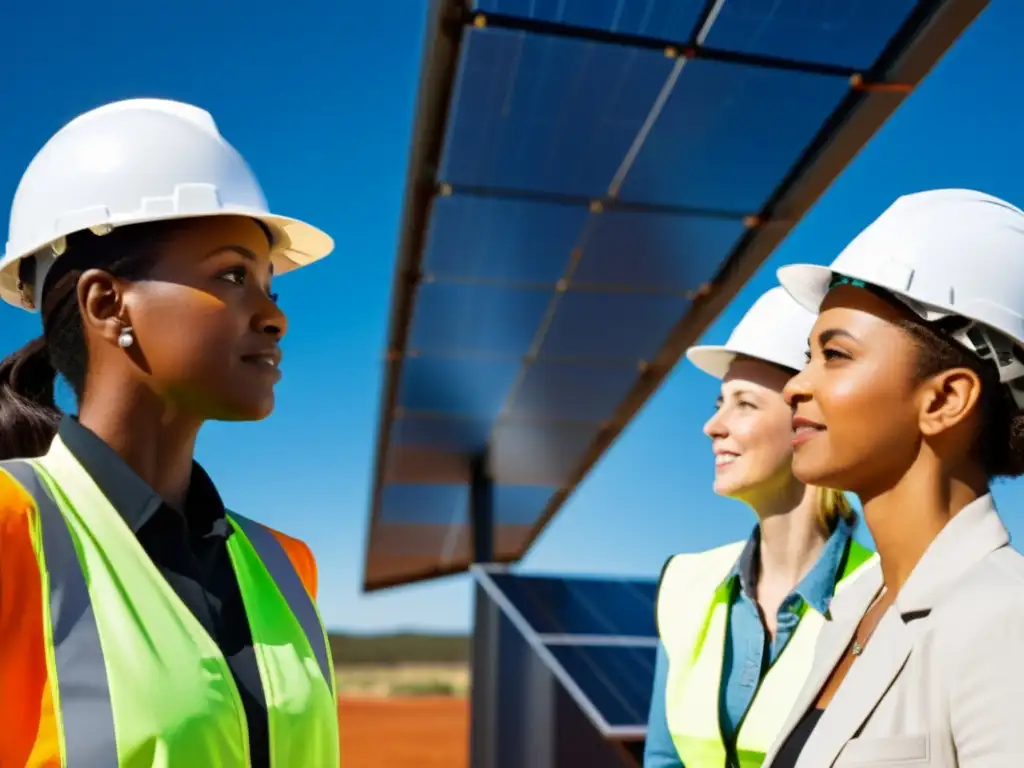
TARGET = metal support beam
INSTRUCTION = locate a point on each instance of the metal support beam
(481, 510)
(485, 684)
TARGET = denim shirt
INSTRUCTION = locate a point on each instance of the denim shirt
(749, 650)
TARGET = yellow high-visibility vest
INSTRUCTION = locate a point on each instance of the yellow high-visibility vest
(693, 610)
(136, 680)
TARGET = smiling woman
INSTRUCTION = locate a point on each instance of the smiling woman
(141, 623)
(912, 399)
(737, 624)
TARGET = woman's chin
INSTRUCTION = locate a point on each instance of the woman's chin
(730, 487)
(812, 470)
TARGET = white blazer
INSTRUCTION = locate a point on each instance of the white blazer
(941, 682)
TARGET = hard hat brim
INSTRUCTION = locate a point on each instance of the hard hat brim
(806, 283)
(302, 245)
(713, 360)
(297, 244)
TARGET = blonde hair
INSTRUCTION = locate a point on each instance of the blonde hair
(833, 506)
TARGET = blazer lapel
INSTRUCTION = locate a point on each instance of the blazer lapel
(844, 615)
(968, 537)
(865, 684)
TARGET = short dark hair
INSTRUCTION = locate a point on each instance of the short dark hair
(1000, 443)
(29, 416)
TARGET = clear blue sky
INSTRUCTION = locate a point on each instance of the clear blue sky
(319, 97)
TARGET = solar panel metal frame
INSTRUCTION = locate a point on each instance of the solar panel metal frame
(540, 642)
(911, 53)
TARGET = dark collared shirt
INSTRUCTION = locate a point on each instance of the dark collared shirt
(189, 549)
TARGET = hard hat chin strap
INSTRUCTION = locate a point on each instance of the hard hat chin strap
(39, 267)
(999, 350)
(34, 269)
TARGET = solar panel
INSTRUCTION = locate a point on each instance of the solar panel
(578, 606)
(591, 181)
(532, 114)
(597, 636)
(617, 679)
(518, 242)
(729, 153)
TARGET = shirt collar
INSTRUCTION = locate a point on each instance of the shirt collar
(818, 585)
(132, 496)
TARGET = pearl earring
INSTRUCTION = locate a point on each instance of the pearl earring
(127, 338)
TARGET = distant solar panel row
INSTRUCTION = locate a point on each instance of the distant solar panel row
(598, 633)
(588, 186)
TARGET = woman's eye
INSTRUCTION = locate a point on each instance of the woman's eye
(746, 404)
(833, 354)
(273, 296)
(807, 355)
(236, 275)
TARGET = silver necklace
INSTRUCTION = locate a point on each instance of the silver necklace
(858, 647)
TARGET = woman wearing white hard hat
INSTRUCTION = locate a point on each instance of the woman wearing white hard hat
(912, 400)
(738, 624)
(141, 623)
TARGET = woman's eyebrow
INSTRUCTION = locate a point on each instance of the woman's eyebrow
(241, 250)
(834, 333)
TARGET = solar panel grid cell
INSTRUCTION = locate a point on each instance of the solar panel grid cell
(547, 115)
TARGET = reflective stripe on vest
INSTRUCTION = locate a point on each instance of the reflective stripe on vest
(693, 609)
(292, 589)
(137, 681)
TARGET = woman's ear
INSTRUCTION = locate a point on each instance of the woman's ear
(101, 298)
(948, 399)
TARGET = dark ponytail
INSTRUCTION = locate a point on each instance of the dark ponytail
(28, 414)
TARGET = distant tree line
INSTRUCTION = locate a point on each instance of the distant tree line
(399, 649)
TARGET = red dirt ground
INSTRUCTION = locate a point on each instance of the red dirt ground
(420, 732)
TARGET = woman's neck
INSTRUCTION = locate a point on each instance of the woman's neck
(905, 519)
(157, 443)
(791, 538)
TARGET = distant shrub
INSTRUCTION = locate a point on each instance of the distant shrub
(399, 649)
(431, 688)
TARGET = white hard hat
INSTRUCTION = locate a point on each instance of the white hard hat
(775, 330)
(945, 253)
(130, 162)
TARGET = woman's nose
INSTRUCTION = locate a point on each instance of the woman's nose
(797, 389)
(715, 426)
